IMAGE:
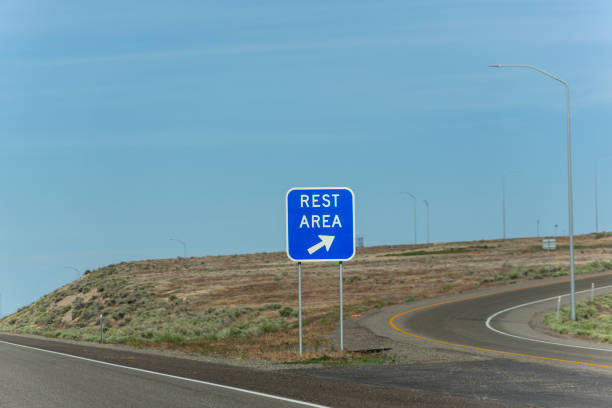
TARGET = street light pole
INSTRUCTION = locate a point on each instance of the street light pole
(184, 246)
(570, 200)
(427, 205)
(596, 199)
(74, 269)
(415, 204)
(504, 200)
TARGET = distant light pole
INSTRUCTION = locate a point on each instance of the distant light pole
(427, 205)
(504, 199)
(596, 209)
(183, 244)
(538, 228)
(415, 224)
(74, 269)
(556, 229)
(570, 199)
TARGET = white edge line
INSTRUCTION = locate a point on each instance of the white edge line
(227, 387)
(494, 315)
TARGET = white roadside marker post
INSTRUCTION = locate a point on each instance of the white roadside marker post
(558, 306)
(101, 332)
(592, 291)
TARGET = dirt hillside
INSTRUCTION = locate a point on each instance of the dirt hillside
(245, 306)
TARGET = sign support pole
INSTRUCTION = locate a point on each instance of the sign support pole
(548, 261)
(341, 314)
(300, 304)
(320, 228)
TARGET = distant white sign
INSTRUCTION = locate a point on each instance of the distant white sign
(550, 244)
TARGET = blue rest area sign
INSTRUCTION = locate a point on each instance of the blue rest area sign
(320, 224)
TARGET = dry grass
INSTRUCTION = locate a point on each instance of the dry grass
(377, 276)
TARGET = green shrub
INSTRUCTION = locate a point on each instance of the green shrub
(271, 306)
(383, 303)
(286, 311)
(168, 338)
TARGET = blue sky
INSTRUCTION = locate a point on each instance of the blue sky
(124, 124)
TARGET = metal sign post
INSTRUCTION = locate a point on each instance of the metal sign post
(548, 245)
(320, 228)
(300, 304)
(341, 314)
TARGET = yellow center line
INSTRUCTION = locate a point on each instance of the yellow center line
(392, 324)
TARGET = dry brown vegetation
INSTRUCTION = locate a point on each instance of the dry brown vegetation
(242, 289)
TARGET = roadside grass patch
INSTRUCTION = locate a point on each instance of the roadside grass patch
(354, 279)
(168, 338)
(593, 319)
(540, 272)
(382, 303)
(442, 251)
(270, 306)
(286, 311)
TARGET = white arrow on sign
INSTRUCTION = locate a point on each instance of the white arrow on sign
(326, 241)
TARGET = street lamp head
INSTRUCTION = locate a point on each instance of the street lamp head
(512, 172)
(495, 66)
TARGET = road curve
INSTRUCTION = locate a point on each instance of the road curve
(461, 323)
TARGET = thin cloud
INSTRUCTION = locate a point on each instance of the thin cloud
(345, 43)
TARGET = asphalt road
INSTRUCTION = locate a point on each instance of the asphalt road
(32, 378)
(463, 323)
(115, 378)
(446, 341)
